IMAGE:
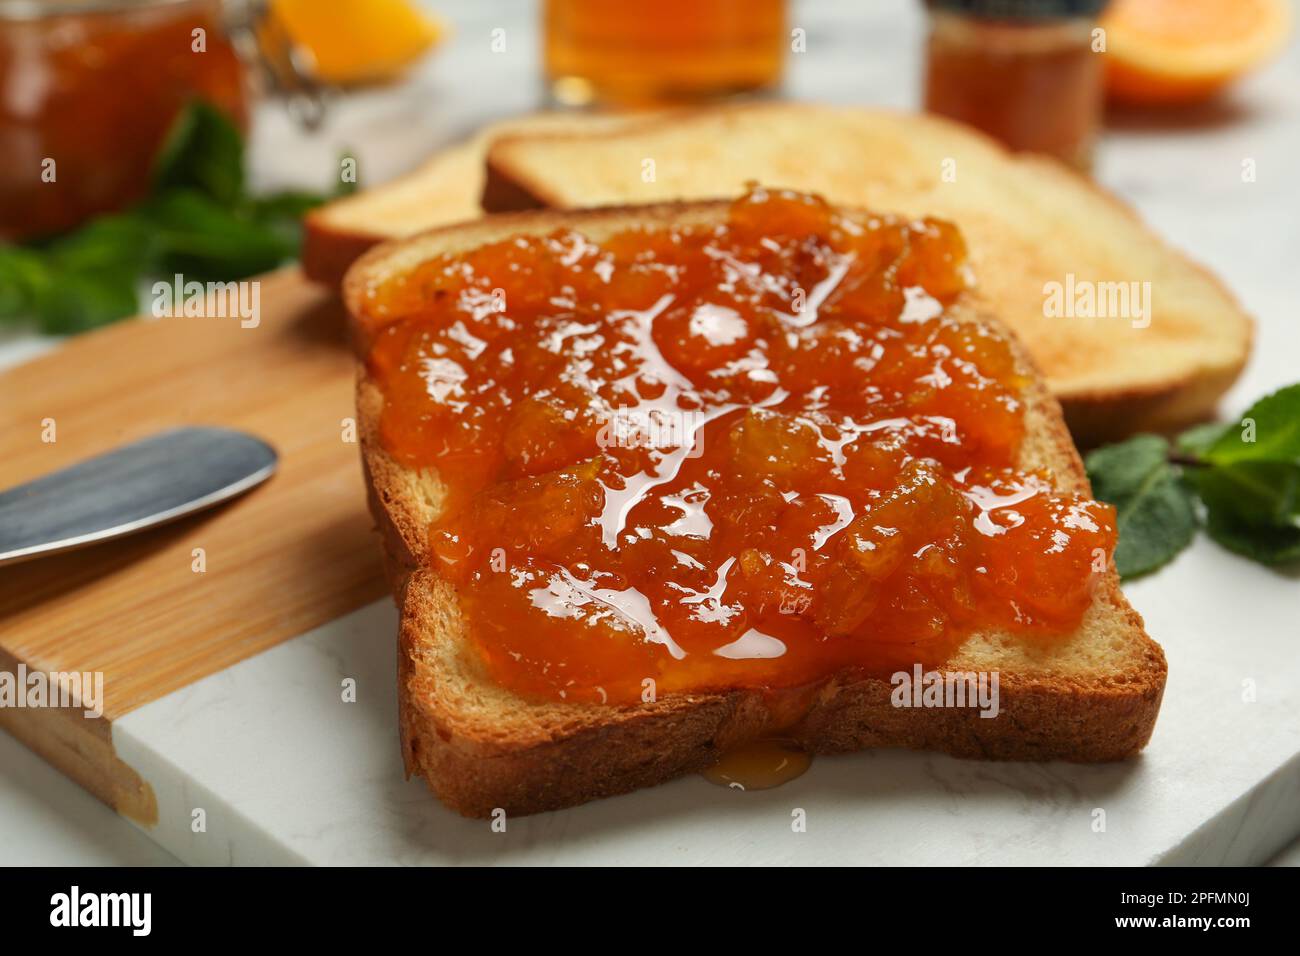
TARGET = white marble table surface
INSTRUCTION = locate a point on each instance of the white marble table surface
(296, 796)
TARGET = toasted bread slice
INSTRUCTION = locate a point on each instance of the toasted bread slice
(1092, 696)
(1028, 221)
(445, 189)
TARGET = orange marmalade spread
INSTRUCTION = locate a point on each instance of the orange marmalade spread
(743, 454)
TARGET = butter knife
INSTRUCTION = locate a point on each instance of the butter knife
(132, 488)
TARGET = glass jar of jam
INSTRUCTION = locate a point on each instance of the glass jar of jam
(88, 91)
(649, 52)
(1027, 72)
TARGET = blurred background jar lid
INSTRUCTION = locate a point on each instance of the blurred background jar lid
(1021, 9)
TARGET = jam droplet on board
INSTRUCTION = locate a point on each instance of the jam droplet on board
(759, 765)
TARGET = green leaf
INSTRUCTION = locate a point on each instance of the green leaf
(1198, 439)
(291, 204)
(1256, 493)
(1274, 432)
(64, 291)
(281, 213)
(203, 151)
(202, 239)
(1250, 480)
(1119, 472)
(1268, 545)
(78, 301)
(198, 222)
(1253, 508)
(1155, 513)
(109, 244)
(22, 273)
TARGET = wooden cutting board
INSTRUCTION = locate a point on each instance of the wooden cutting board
(288, 556)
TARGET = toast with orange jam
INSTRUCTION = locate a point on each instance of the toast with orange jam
(655, 482)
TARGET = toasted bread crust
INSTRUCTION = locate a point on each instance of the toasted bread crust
(1096, 417)
(480, 749)
(629, 748)
(1095, 414)
(504, 192)
(445, 189)
(328, 250)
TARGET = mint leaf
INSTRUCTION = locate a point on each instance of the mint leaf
(1273, 432)
(78, 301)
(1256, 493)
(110, 246)
(198, 221)
(65, 290)
(1253, 508)
(1250, 480)
(22, 273)
(1155, 513)
(203, 151)
(292, 204)
(1268, 545)
(202, 239)
(1198, 439)
(1118, 472)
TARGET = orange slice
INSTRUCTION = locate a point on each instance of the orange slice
(357, 41)
(1181, 51)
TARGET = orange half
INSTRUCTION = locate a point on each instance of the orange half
(358, 41)
(1181, 51)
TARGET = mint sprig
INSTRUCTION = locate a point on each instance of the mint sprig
(198, 220)
(1240, 481)
(1155, 511)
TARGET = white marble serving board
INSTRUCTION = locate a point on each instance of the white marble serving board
(287, 772)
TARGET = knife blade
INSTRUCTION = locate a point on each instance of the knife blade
(138, 486)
